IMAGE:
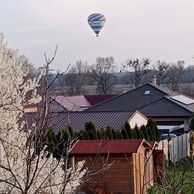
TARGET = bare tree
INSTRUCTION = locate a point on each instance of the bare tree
(101, 73)
(75, 78)
(174, 74)
(161, 71)
(139, 69)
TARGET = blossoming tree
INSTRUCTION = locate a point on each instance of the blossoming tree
(23, 168)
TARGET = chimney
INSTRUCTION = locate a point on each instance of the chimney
(154, 80)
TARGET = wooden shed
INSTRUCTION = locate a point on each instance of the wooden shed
(117, 166)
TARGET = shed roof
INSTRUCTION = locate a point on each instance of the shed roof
(108, 146)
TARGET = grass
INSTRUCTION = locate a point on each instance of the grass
(179, 178)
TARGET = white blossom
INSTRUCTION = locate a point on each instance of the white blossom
(21, 170)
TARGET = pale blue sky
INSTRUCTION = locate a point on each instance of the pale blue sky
(158, 29)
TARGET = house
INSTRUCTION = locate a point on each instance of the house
(70, 103)
(30, 108)
(82, 102)
(77, 120)
(164, 107)
(119, 166)
(73, 103)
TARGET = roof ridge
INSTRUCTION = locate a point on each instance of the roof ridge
(82, 112)
(113, 140)
(117, 96)
(164, 89)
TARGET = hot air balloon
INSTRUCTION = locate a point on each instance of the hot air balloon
(96, 22)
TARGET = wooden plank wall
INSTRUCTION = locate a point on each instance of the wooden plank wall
(143, 170)
(132, 174)
(179, 147)
(119, 178)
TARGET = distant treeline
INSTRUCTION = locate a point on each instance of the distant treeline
(57, 143)
(123, 78)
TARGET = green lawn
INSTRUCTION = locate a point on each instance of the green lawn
(179, 177)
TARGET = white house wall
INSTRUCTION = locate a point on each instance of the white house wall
(137, 119)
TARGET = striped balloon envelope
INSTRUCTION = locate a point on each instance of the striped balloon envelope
(96, 22)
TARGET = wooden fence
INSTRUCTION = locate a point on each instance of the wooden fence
(177, 147)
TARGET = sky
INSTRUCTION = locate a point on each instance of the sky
(157, 29)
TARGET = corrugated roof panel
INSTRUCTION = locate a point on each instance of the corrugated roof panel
(73, 103)
(77, 120)
(106, 146)
(165, 108)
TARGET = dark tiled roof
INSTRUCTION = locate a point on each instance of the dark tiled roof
(164, 108)
(95, 99)
(106, 147)
(153, 104)
(77, 120)
(189, 107)
(131, 100)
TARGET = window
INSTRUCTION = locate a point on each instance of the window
(147, 92)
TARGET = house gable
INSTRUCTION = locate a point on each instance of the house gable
(138, 119)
